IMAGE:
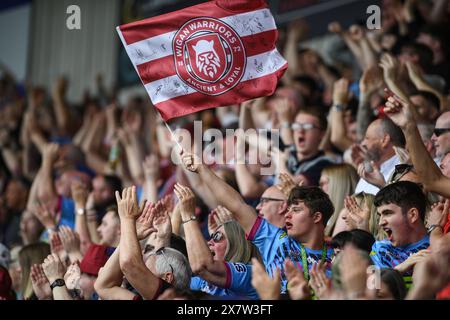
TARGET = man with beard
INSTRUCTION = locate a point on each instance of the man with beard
(401, 207)
(378, 147)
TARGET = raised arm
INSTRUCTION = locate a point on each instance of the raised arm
(296, 31)
(54, 269)
(340, 99)
(46, 189)
(79, 196)
(390, 72)
(225, 194)
(350, 40)
(109, 281)
(416, 76)
(248, 184)
(130, 259)
(370, 81)
(402, 113)
(151, 173)
(200, 257)
(59, 105)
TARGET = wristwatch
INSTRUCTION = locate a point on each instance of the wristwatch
(432, 227)
(81, 211)
(57, 283)
(192, 218)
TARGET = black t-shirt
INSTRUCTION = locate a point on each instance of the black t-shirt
(311, 168)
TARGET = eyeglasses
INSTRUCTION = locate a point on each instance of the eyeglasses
(439, 131)
(160, 252)
(217, 236)
(264, 200)
(303, 126)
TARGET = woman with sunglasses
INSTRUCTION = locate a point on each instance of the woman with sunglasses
(223, 264)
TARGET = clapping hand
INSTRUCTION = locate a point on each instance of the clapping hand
(297, 285)
(267, 288)
(128, 205)
(144, 224)
(319, 282)
(53, 268)
(161, 221)
(41, 286)
(57, 247)
(187, 201)
(439, 213)
(357, 217)
(46, 216)
(286, 184)
(72, 276)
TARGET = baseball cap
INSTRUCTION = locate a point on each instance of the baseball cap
(94, 259)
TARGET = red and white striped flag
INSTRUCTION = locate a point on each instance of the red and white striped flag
(213, 54)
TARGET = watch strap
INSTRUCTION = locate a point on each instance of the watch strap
(57, 283)
(434, 226)
(191, 218)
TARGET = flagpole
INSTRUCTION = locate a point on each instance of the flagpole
(170, 129)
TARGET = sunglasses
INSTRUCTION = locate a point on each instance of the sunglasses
(160, 252)
(400, 170)
(217, 236)
(303, 126)
(439, 131)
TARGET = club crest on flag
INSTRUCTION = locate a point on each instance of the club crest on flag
(206, 57)
(209, 55)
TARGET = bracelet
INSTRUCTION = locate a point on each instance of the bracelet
(192, 218)
(49, 230)
(340, 107)
(434, 226)
(285, 125)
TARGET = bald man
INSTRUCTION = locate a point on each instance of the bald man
(441, 135)
(273, 206)
(381, 137)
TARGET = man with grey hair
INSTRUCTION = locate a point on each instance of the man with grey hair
(149, 273)
(380, 158)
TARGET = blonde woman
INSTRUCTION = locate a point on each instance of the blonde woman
(223, 264)
(29, 255)
(361, 213)
(338, 181)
